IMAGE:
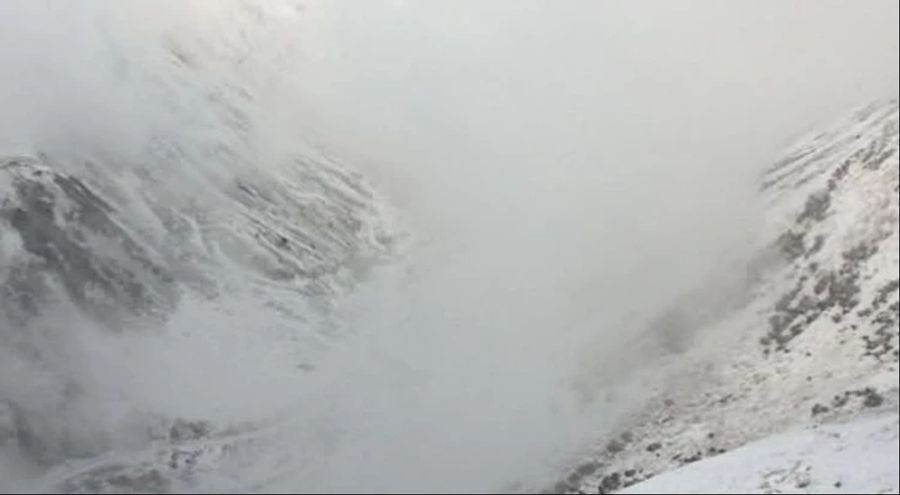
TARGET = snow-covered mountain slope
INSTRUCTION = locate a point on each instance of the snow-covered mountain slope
(139, 255)
(174, 252)
(856, 457)
(111, 250)
(726, 376)
(811, 339)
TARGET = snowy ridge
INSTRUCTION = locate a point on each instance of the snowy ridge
(813, 341)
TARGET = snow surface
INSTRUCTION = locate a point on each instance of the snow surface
(856, 457)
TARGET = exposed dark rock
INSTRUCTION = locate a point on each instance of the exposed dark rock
(610, 483)
(887, 328)
(62, 223)
(833, 291)
(884, 292)
(183, 430)
(818, 409)
(818, 242)
(816, 207)
(791, 245)
(586, 469)
(871, 398)
(117, 478)
(615, 446)
(838, 174)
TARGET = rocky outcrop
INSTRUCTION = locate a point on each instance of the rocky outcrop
(89, 253)
(58, 231)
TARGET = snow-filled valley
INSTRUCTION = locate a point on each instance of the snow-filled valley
(354, 246)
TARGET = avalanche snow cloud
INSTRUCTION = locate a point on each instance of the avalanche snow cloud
(357, 245)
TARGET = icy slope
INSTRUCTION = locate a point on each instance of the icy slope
(813, 339)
